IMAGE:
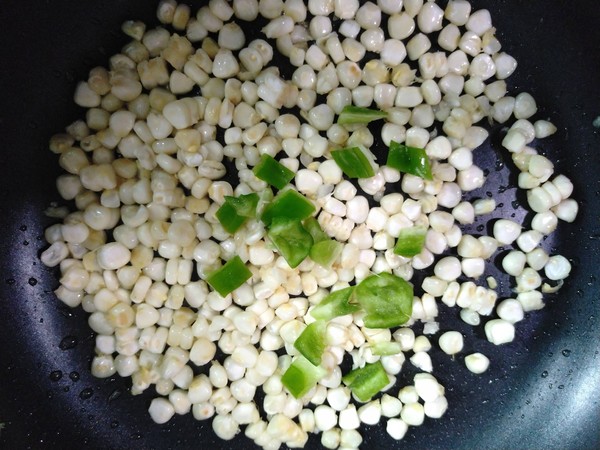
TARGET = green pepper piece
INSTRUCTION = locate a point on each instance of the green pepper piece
(409, 160)
(312, 226)
(386, 348)
(236, 210)
(410, 241)
(229, 277)
(288, 204)
(311, 342)
(367, 381)
(273, 172)
(291, 240)
(353, 162)
(301, 376)
(335, 304)
(326, 252)
(387, 300)
(356, 114)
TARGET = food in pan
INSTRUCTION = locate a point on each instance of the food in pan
(281, 212)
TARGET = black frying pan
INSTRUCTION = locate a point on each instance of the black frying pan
(541, 390)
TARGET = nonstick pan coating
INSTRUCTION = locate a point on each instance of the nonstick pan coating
(541, 390)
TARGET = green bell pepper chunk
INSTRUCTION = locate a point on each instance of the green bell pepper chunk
(229, 277)
(290, 239)
(326, 252)
(367, 381)
(236, 210)
(335, 304)
(410, 241)
(301, 376)
(387, 300)
(356, 114)
(288, 204)
(353, 162)
(273, 172)
(386, 348)
(409, 160)
(311, 342)
(312, 226)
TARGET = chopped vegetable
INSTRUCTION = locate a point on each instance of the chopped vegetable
(386, 298)
(326, 252)
(386, 348)
(353, 162)
(288, 204)
(409, 160)
(301, 376)
(311, 343)
(312, 226)
(273, 172)
(291, 239)
(410, 241)
(367, 381)
(236, 210)
(229, 277)
(335, 304)
(356, 114)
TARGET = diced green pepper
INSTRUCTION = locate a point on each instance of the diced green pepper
(356, 114)
(335, 304)
(353, 162)
(288, 204)
(312, 226)
(311, 342)
(290, 239)
(273, 172)
(236, 210)
(387, 300)
(367, 381)
(326, 252)
(409, 160)
(386, 348)
(229, 277)
(301, 376)
(410, 241)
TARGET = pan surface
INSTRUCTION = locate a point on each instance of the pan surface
(541, 390)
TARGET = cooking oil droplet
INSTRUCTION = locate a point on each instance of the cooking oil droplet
(32, 281)
(68, 343)
(86, 393)
(561, 386)
(74, 376)
(23, 228)
(115, 395)
(10, 281)
(566, 352)
(55, 375)
(114, 424)
(544, 374)
(49, 394)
